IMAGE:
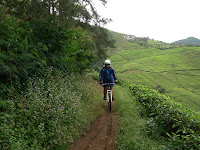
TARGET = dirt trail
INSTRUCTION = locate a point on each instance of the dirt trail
(102, 134)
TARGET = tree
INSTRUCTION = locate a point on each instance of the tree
(67, 12)
(70, 13)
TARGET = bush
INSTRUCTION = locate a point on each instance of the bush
(52, 113)
(26, 48)
(181, 124)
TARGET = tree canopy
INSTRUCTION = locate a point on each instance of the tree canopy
(68, 12)
(34, 34)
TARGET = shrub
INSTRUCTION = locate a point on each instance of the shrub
(181, 124)
(26, 48)
(52, 113)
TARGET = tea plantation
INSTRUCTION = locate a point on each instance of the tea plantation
(164, 79)
(174, 72)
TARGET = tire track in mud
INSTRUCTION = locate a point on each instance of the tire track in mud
(102, 134)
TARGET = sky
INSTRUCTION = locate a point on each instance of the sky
(163, 20)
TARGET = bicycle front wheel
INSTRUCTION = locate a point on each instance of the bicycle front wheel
(109, 105)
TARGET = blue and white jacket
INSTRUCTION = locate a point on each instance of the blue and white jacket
(107, 73)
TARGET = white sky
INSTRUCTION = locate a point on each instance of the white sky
(164, 20)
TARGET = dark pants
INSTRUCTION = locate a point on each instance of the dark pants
(106, 86)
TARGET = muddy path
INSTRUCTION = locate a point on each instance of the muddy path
(102, 134)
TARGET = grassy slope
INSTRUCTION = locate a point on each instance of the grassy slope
(121, 43)
(176, 70)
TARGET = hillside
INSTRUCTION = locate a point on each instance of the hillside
(189, 40)
(121, 43)
(174, 72)
(139, 43)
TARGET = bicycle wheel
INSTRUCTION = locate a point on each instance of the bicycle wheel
(109, 103)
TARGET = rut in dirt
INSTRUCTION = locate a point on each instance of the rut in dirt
(102, 135)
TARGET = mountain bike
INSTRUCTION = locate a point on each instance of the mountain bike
(109, 95)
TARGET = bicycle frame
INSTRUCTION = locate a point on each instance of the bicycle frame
(109, 94)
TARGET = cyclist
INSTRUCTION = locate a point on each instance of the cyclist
(107, 75)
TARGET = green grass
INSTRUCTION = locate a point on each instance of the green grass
(121, 43)
(133, 127)
(167, 118)
(175, 70)
(160, 45)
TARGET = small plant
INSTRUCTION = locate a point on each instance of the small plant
(160, 89)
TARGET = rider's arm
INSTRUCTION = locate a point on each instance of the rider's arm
(114, 74)
(101, 74)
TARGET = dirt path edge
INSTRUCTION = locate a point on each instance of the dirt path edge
(102, 134)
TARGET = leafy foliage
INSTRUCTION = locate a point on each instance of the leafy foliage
(68, 12)
(181, 124)
(26, 48)
(102, 40)
(51, 113)
(47, 111)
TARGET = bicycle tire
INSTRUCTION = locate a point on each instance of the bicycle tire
(110, 105)
(109, 98)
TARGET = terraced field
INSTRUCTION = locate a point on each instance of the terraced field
(174, 72)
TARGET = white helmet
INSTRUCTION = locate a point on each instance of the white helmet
(107, 62)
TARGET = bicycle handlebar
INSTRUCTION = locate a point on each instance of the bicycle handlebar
(108, 83)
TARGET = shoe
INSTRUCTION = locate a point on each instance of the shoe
(104, 98)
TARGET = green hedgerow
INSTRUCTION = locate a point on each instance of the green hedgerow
(179, 123)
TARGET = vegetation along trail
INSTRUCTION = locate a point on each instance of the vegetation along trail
(102, 134)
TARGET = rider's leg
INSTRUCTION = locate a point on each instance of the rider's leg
(105, 92)
(111, 88)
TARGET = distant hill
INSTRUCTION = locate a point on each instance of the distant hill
(189, 40)
(123, 42)
(174, 71)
